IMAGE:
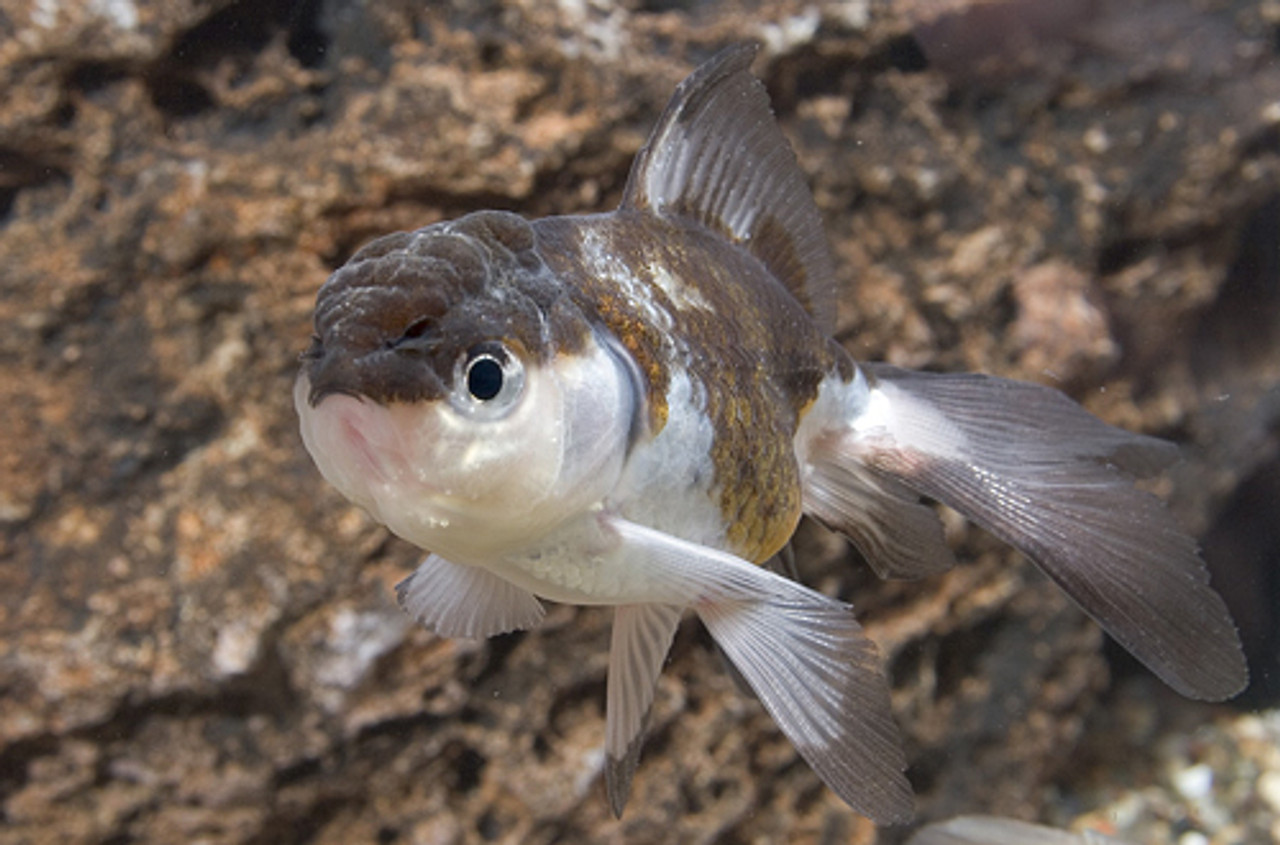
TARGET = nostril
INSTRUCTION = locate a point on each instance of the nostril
(416, 329)
(314, 351)
(413, 338)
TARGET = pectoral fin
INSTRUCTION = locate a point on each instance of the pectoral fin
(642, 635)
(455, 600)
(1044, 475)
(805, 656)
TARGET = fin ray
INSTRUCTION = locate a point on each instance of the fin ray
(1044, 475)
(642, 635)
(805, 655)
(899, 536)
(454, 600)
(717, 156)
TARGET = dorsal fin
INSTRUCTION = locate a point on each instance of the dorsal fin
(718, 157)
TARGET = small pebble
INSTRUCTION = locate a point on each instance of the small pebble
(1269, 789)
(1195, 782)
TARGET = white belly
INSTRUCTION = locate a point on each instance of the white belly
(666, 484)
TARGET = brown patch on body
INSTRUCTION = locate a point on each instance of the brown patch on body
(718, 314)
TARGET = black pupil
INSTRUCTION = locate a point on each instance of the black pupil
(484, 378)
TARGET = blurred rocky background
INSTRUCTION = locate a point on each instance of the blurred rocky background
(198, 640)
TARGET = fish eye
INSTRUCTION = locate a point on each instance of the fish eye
(488, 380)
(484, 377)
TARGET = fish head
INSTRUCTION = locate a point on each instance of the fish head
(455, 392)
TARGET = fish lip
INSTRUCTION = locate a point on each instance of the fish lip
(377, 461)
(341, 427)
(369, 457)
(316, 395)
(335, 422)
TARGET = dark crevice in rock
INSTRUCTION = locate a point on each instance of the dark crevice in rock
(806, 74)
(1121, 253)
(1127, 250)
(307, 41)
(16, 756)
(492, 54)
(1263, 142)
(178, 429)
(489, 826)
(239, 699)
(467, 767)
(907, 662)
(904, 54)
(177, 94)
(237, 31)
(298, 772)
(498, 651)
(21, 170)
(302, 822)
(959, 655)
(264, 691)
(569, 700)
(246, 27)
(398, 728)
(1242, 328)
(657, 7)
(928, 767)
(91, 76)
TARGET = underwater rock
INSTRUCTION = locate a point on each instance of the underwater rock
(187, 650)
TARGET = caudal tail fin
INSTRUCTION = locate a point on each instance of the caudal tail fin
(1041, 473)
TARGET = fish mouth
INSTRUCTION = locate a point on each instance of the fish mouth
(356, 443)
(365, 450)
(375, 456)
(350, 431)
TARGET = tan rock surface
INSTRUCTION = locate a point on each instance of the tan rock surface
(198, 641)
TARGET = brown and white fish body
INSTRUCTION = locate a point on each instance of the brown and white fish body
(636, 408)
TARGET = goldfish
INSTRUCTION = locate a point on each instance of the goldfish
(994, 830)
(636, 408)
